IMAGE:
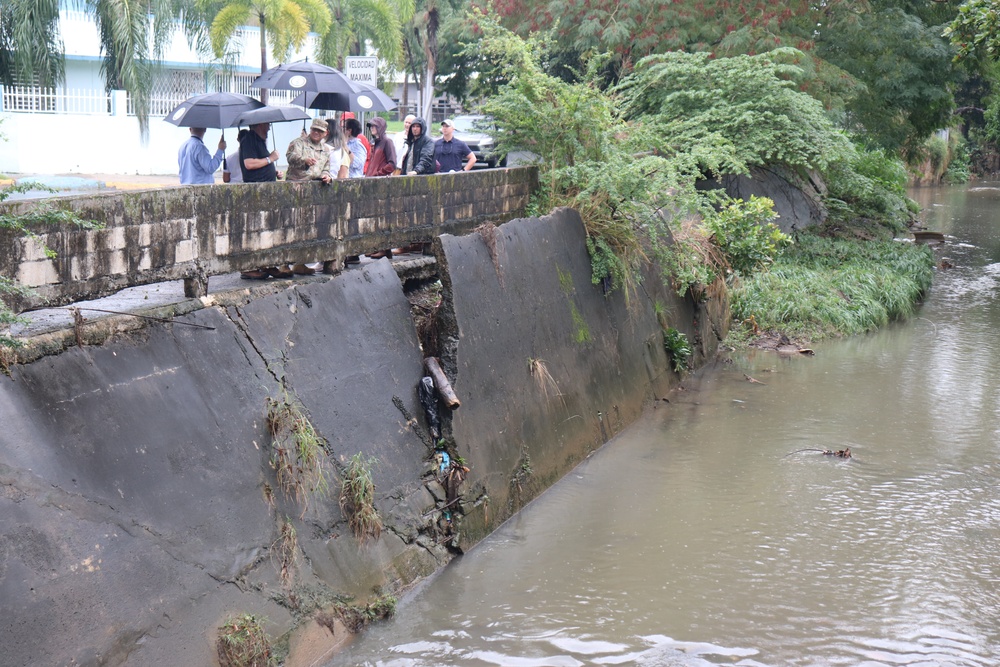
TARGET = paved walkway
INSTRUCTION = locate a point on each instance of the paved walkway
(148, 298)
(75, 184)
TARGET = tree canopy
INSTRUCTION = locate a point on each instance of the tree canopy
(882, 65)
(286, 23)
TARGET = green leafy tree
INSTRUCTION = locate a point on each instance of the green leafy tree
(423, 45)
(882, 65)
(906, 74)
(976, 27)
(629, 159)
(286, 23)
(749, 104)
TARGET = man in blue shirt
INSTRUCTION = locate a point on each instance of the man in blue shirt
(451, 152)
(196, 165)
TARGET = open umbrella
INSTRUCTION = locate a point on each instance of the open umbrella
(215, 110)
(269, 114)
(362, 98)
(305, 76)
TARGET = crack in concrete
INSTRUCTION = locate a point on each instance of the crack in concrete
(244, 328)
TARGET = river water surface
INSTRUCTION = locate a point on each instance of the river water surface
(701, 536)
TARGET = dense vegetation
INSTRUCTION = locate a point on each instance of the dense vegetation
(630, 159)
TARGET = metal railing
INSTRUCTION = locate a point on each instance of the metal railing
(39, 99)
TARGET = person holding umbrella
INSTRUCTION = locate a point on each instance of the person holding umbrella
(258, 167)
(256, 161)
(196, 165)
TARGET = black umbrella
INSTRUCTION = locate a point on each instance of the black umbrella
(304, 76)
(215, 110)
(362, 98)
(269, 114)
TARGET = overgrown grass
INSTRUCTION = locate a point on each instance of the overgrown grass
(243, 642)
(823, 287)
(357, 498)
(355, 617)
(297, 452)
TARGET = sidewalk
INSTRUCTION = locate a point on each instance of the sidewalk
(74, 184)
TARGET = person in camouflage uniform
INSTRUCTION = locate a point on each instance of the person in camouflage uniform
(308, 159)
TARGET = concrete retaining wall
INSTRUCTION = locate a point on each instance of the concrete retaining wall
(134, 513)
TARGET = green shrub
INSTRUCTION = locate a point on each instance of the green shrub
(958, 170)
(745, 233)
(678, 349)
(868, 186)
(937, 152)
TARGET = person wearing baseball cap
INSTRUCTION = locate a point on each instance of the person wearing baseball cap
(450, 152)
(308, 159)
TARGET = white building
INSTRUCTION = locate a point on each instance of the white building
(79, 128)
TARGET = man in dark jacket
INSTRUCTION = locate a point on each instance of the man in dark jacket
(419, 150)
(383, 158)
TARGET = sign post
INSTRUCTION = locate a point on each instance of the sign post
(363, 69)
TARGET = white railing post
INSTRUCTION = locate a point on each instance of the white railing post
(119, 103)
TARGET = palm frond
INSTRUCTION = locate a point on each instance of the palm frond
(380, 22)
(226, 24)
(30, 47)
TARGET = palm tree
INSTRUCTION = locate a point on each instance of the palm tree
(429, 17)
(357, 22)
(30, 48)
(131, 44)
(286, 22)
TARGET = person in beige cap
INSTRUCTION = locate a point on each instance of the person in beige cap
(308, 159)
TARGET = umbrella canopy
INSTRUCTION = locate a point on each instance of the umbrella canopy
(269, 115)
(304, 76)
(362, 98)
(215, 110)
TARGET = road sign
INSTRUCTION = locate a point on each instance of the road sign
(362, 68)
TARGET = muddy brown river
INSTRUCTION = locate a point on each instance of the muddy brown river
(701, 536)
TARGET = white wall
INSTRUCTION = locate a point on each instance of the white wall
(83, 144)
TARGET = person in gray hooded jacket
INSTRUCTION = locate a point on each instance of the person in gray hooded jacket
(419, 158)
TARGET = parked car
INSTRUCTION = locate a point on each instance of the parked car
(477, 131)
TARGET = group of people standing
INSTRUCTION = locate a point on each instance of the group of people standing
(329, 150)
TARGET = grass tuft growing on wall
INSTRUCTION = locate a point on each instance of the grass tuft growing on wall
(243, 642)
(297, 452)
(357, 498)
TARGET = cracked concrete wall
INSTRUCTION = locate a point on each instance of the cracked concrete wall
(132, 512)
(548, 366)
(133, 517)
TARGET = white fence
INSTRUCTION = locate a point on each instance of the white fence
(163, 98)
(36, 99)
